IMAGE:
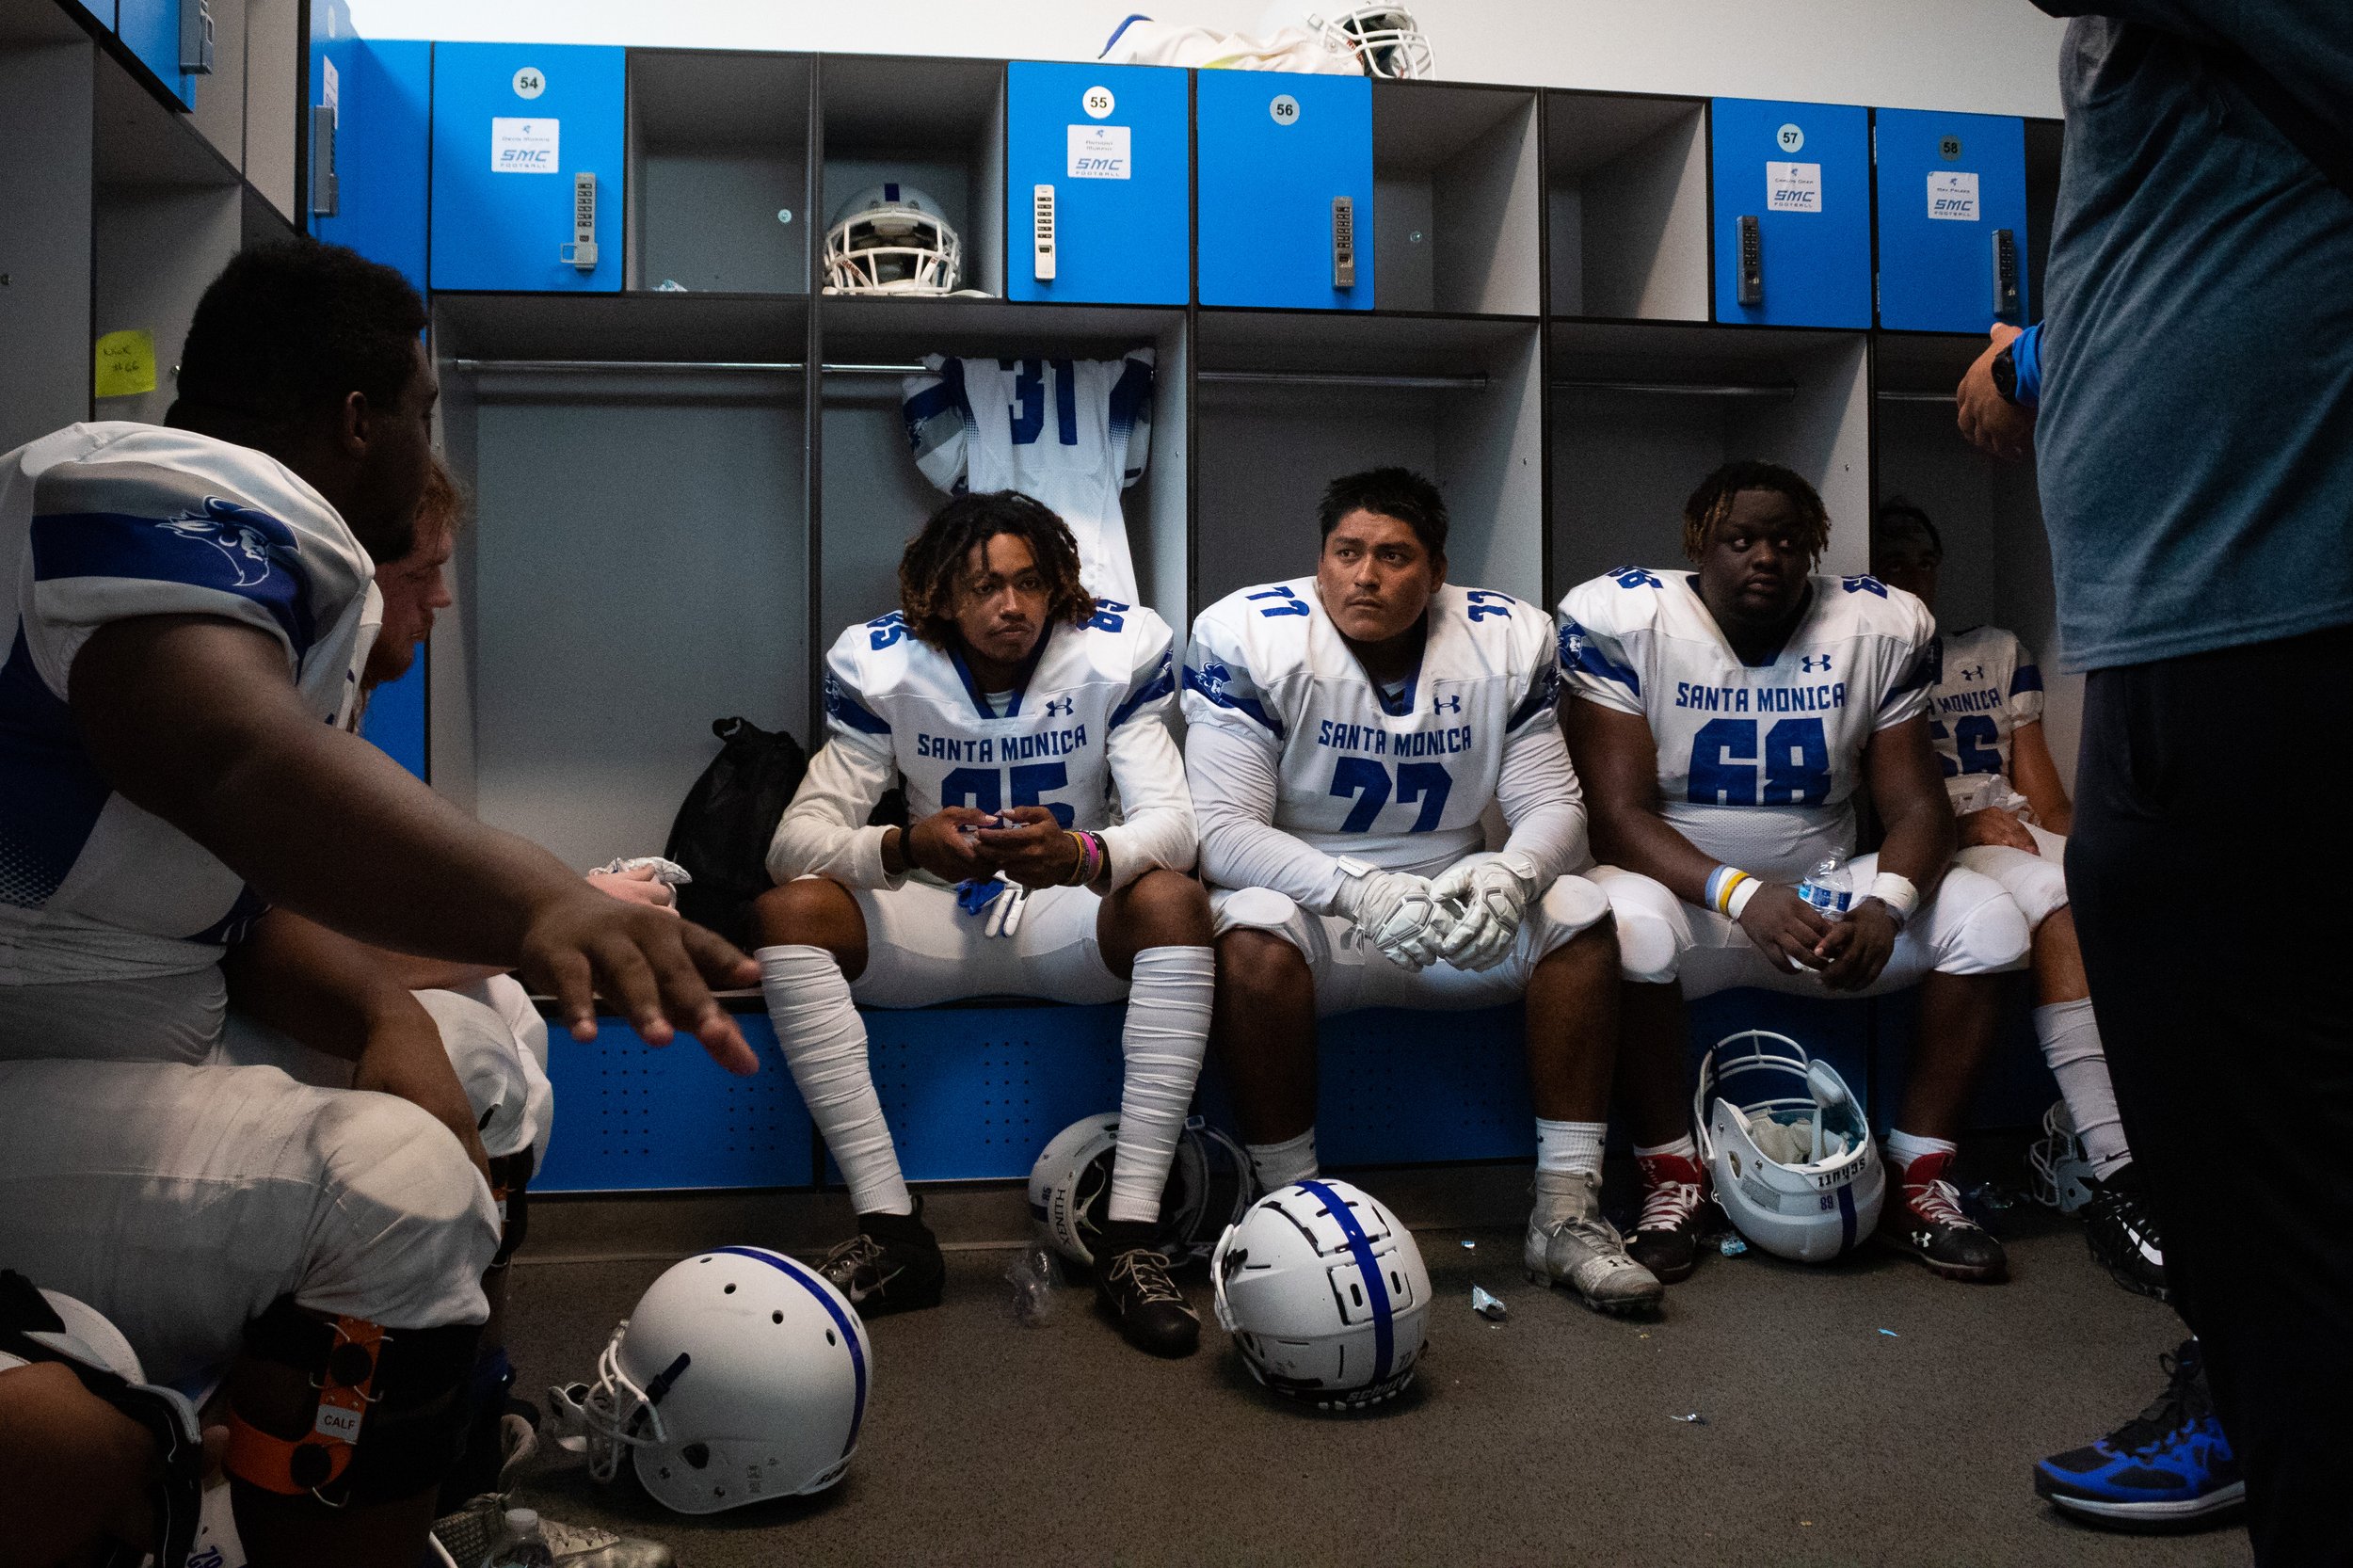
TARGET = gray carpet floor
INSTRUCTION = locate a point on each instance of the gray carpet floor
(1547, 1439)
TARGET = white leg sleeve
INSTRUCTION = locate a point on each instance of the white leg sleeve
(824, 1041)
(2071, 1044)
(1166, 1033)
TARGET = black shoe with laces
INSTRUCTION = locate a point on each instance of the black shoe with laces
(1132, 1287)
(2124, 1233)
(891, 1265)
(2169, 1467)
(1922, 1216)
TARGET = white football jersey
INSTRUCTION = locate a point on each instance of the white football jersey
(1140, 40)
(1068, 433)
(1987, 685)
(108, 522)
(1042, 745)
(1398, 781)
(1757, 765)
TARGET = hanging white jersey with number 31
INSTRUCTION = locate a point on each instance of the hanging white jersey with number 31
(1757, 763)
(1069, 433)
(1398, 781)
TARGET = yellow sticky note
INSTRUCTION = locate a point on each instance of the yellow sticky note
(126, 364)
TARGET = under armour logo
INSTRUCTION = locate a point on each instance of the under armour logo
(1446, 704)
(1807, 664)
(1065, 706)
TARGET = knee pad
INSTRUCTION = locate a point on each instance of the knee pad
(1569, 908)
(390, 1412)
(1990, 935)
(488, 1059)
(48, 1326)
(2040, 890)
(1255, 909)
(411, 1228)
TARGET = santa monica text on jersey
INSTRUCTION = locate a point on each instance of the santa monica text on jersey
(1768, 700)
(1001, 748)
(1341, 736)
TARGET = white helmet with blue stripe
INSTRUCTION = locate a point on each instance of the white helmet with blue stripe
(1326, 1293)
(892, 238)
(742, 1375)
(1789, 1146)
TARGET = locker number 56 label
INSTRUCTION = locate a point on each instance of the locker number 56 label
(1285, 109)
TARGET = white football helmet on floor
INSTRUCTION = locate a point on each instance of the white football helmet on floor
(1208, 1189)
(892, 239)
(1326, 1293)
(1788, 1147)
(742, 1375)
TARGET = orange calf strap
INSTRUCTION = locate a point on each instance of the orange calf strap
(292, 1467)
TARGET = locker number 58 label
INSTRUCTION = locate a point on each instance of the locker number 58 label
(1285, 109)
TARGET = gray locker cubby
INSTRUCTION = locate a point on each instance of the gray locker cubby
(1997, 559)
(1626, 206)
(1642, 413)
(1284, 402)
(872, 499)
(1457, 193)
(48, 72)
(718, 180)
(639, 563)
(937, 124)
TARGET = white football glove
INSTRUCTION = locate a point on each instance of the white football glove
(1006, 909)
(1395, 911)
(1487, 896)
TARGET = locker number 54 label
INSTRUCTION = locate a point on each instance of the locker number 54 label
(1793, 187)
(1099, 152)
(525, 146)
(530, 82)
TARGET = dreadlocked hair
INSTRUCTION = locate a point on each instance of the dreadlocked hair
(931, 572)
(1712, 503)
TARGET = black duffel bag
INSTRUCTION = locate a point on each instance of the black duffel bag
(722, 830)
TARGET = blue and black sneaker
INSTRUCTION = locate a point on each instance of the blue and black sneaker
(2170, 1468)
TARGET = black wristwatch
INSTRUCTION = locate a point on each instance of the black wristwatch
(2005, 373)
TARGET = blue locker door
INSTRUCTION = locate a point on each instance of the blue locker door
(395, 721)
(1112, 142)
(1804, 172)
(383, 94)
(151, 28)
(1948, 185)
(1274, 151)
(513, 125)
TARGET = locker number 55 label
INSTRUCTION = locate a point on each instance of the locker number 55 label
(525, 146)
(1097, 102)
(1099, 152)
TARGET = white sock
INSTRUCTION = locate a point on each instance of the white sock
(1686, 1146)
(1905, 1147)
(1280, 1164)
(2071, 1044)
(1166, 1033)
(1570, 1147)
(824, 1042)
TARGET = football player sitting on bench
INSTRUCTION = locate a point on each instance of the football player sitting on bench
(1724, 719)
(1346, 734)
(1013, 706)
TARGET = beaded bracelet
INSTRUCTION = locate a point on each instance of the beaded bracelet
(1091, 859)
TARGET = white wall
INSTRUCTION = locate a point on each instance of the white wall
(1995, 56)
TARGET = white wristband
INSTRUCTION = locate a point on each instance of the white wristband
(1740, 897)
(1897, 893)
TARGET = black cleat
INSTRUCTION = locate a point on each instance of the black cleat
(1132, 1287)
(1665, 1238)
(1923, 1217)
(2124, 1233)
(891, 1265)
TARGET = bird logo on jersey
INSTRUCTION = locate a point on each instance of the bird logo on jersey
(1211, 680)
(246, 537)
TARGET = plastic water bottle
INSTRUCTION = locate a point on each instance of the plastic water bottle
(1829, 888)
(526, 1545)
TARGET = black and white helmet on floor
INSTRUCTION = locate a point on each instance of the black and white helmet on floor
(742, 1375)
(1789, 1146)
(1070, 1187)
(1325, 1295)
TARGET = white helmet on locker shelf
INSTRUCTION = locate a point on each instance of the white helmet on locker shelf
(1384, 39)
(742, 1375)
(1070, 1187)
(892, 239)
(1789, 1149)
(1326, 1293)
(2059, 1163)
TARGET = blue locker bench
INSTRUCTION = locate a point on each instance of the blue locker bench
(973, 1092)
